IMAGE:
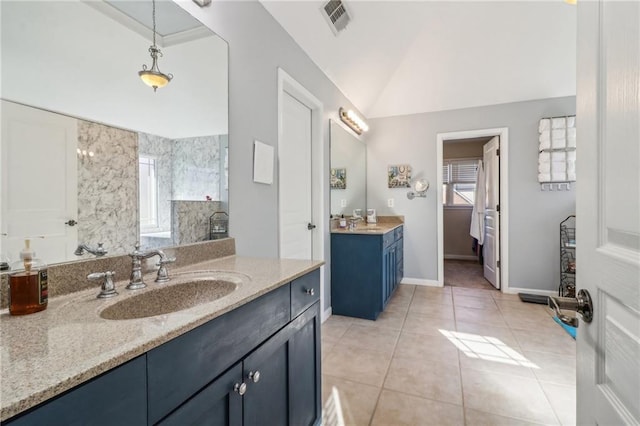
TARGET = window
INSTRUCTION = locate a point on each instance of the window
(459, 182)
(148, 193)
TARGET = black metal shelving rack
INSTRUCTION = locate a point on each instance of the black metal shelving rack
(568, 257)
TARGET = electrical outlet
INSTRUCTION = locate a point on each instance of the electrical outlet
(343, 203)
(390, 202)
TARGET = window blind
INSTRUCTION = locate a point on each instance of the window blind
(459, 171)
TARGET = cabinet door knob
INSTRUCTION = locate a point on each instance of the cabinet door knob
(254, 376)
(240, 388)
(310, 292)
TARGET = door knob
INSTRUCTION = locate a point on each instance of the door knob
(254, 376)
(240, 388)
(71, 222)
(581, 304)
(310, 226)
(310, 292)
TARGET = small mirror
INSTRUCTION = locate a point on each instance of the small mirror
(348, 171)
(420, 188)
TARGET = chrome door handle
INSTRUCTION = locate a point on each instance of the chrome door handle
(310, 292)
(581, 304)
(310, 226)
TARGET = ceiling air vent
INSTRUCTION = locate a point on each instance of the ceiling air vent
(336, 14)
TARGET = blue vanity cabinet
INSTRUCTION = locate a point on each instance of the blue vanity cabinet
(365, 271)
(117, 397)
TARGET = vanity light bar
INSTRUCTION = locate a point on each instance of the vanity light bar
(352, 120)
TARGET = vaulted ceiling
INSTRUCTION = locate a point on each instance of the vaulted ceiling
(405, 57)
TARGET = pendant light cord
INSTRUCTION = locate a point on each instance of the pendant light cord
(153, 14)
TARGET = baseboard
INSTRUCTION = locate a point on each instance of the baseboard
(460, 257)
(418, 281)
(326, 314)
(515, 290)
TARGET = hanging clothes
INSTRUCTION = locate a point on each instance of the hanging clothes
(477, 215)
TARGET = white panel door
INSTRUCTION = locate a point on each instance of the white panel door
(491, 247)
(608, 211)
(295, 180)
(39, 182)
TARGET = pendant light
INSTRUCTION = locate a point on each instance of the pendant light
(154, 77)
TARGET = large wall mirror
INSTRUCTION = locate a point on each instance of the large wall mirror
(348, 171)
(90, 154)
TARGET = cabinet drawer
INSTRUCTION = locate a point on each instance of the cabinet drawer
(398, 233)
(199, 356)
(305, 291)
(388, 239)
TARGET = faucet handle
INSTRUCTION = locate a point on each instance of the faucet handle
(108, 288)
(100, 251)
(163, 272)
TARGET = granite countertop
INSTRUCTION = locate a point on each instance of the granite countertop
(49, 352)
(379, 228)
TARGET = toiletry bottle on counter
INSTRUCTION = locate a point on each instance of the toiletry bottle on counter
(343, 222)
(28, 289)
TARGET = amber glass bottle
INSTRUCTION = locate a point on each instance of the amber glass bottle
(28, 288)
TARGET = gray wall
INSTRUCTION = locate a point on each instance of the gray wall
(258, 45)
(534, 215)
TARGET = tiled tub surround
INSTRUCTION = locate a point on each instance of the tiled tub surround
(196, 168)
(107, 187)
(47, 353)
(191, 220)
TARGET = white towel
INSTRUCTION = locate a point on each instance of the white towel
(476, 229)
(571, 177)
(544, 157)
(558, 167)
(571, 121)
(544, 177)
(545, 124)
(558, 176)
(571, 155)
(558, 123)
(544, 168)
(558, 143)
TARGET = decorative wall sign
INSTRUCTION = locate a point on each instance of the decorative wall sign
(339, 178)
(399, 176)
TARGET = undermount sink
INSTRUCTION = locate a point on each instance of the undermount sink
(184, 291)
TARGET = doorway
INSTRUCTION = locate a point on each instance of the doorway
(481, 137)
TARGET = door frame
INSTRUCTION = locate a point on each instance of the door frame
(503, 133)
(288, 84)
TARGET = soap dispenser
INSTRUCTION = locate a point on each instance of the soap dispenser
(28, 284)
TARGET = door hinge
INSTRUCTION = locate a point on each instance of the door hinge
(498, 152)
(498, 207)
(498, 264)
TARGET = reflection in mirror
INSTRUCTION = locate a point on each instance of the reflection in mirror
(348, 171)
(86, 142)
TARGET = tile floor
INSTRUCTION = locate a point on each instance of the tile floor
(451, 356)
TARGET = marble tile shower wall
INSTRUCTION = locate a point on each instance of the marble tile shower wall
(108, 187)
(191, 220)
(196, 168)
(161, 149)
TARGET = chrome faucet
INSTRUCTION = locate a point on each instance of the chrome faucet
(353, 222)
(136, 282)
(99, 251)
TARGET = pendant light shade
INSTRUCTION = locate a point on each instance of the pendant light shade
(154, 77)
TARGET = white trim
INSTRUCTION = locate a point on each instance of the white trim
(420, 281)
(516, 290)
(460, 257)
(326, 314)
(288, 84)
(503, 133)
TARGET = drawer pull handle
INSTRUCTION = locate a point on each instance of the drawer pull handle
(240, 388)
(254, 376)
(310, 292)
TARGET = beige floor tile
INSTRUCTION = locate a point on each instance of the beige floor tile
(498, 295)
(359, 365)
(434, 298)
(427, 289)
(334, 330)
(406, 289)
(480, 316)
(423, 324)
(479, 418)
(474, 302)
(430, 308)
(425, 348)
(473, 292)
(527, 321)
(506, 395)
(563, 401)
(518, 305)
(389, 318)
(547, 340)
(399, 303)
(428, 379)
(553, 368)
(399, 409)
(357, 400)
(326, 347)
(502, 333)
(366, 337)
(505, 362)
